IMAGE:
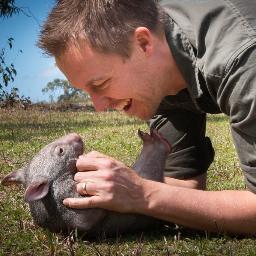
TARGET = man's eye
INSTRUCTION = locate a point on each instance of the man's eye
(101, 86)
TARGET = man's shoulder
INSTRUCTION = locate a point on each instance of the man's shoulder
(217, 29)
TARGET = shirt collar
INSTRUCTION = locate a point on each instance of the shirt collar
(185, 58)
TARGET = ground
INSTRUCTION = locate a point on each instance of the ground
(24, 132)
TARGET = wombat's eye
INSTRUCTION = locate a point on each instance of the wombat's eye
(59, 151)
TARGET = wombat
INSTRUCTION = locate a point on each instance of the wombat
(48, 179)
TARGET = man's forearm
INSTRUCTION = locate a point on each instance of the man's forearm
(218, 211)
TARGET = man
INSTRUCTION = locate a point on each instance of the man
(180, 60)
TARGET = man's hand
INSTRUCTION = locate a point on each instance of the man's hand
(112, 185)
(106, 183)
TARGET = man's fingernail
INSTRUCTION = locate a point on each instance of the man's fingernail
(66, 202)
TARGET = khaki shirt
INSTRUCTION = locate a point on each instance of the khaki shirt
(214, 45)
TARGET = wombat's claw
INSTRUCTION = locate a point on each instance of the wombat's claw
(153, 135)
(140, 133)
(144, 136)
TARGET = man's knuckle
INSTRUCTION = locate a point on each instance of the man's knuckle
(108, 163)
(107, 175)
(89, 202)
(109, 187)
(110, 198)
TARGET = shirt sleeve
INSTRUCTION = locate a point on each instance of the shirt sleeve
(237, 98)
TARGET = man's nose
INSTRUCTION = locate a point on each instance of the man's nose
(100, 103)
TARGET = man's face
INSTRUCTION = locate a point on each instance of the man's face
(129, 85)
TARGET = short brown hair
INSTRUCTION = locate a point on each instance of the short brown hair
(106, 25)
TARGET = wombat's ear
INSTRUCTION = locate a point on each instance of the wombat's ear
(36, 191)
(15, 177)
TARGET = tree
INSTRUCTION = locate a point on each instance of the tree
(69, 93)
(8, 8)
(8, 71)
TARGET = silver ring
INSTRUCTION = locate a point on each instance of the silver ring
(84, 188)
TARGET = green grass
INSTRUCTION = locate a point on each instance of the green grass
(23, 133)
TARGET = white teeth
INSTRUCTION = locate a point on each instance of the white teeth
(120, 106)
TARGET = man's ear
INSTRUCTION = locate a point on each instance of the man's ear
(15, 177)
(144, 39)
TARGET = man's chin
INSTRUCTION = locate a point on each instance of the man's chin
(142, 116)
(139, 113)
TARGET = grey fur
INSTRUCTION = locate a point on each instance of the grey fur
(48, 179)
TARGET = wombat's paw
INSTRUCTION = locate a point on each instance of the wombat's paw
(154, 138)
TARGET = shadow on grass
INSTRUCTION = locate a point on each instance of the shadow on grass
(167, 231)
(176, 232)
(170, 233)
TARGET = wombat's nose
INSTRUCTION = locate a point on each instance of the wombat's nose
(75, 140)
(72, 137)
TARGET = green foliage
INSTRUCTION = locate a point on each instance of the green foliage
(7, 72)
(12, 98)
(8, 8)
(69, 93)
(23, 133)
(9, 96)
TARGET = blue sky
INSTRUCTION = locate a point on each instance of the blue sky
(34, 70)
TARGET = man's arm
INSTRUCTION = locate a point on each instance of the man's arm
(218, 211)
(115, 187)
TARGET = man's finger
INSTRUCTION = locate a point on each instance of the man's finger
(87, 164)
(86, 187)
(93, 163)
(95, 154)
(91, 176)
(81, 203)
